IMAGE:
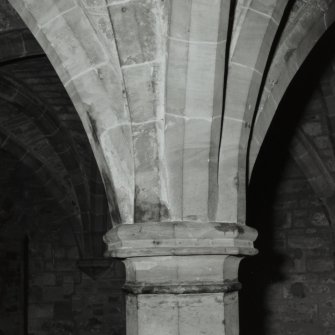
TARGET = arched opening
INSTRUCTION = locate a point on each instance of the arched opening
(53, 206)
(289, 287)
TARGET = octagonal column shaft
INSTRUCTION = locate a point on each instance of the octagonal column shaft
(181, 277)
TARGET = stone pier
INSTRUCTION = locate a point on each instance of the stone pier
(181, 277)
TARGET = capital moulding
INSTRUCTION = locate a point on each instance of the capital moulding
(182, 287)
(180, 238)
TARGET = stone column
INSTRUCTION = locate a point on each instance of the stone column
(181, 277)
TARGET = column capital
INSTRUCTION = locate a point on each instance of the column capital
(180, 239)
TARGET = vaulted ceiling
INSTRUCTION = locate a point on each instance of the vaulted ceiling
(47, 165)
(49, 173)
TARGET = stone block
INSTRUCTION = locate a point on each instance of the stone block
(35, 294)
(60, 252)
(300, 240)
(49, 9)
(196, 21)
(282, 220)
(295, 311)
(183, 314)
(64, 265)
(51, 294)
(45, 279)
(62, 310)
(195, 195)
(136, 27)
(256, 35)
(320, 264)
(327, 312)
(72, 253)
(142, 84)
(319, 219)
(68, 289)
(38, 311)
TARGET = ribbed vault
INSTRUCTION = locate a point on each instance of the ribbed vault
(168, 92)
(306, 122)
(306, 24)
(41, 130)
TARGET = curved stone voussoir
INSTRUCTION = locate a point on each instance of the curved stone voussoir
(301, 34)
(180, 238)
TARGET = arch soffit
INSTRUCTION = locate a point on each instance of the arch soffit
(92, 78)
(289, 57)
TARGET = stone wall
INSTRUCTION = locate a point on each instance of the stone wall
(303, 301)
(11, 284)
(289, 288)
(42, 289)
(63, 299)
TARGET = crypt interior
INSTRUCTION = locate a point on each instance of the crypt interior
(73, 209)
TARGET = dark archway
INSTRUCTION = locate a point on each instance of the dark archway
(52, 194)
(284, 286)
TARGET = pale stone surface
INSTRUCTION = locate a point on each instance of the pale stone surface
(147, 78)
(178, 269)
(205, 314)
(182, 295)
(135, 30)
(195, 73)
(253, 31)
(181, 277)
(179, 238)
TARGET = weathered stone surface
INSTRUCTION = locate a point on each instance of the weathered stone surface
(174, 271)
(135, 25)
(188, 314)
(182, 295)
(141, 61)
(180, 238)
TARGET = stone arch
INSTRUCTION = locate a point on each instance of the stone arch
(255, 27)
(96, 52)
(21, 97)
(42, 172)
(75, 46)
(300, 36)
(96, 84)
(317, 174)
(18, 44)
(291, 190)
(87, 189)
